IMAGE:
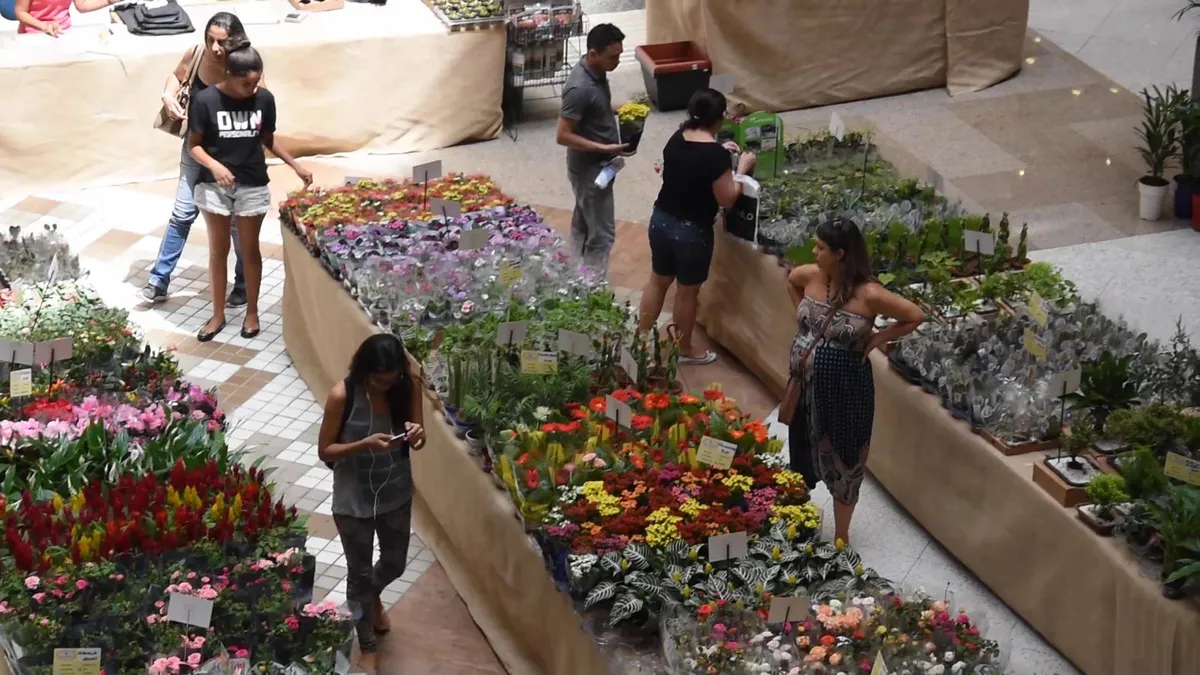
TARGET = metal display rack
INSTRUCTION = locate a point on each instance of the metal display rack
(544, 44)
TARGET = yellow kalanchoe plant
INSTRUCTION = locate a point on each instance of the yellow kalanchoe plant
(633, 113)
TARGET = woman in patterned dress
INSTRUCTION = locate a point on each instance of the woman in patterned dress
(837, 300)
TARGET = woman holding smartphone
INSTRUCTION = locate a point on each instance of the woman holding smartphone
(372, 419)
(229, 126)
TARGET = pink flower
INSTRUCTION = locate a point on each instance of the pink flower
(191, 575)
(45, 622)
(241, 654)
(39, 598)
(81, 584)
(193, 659)
(151, 619)
(207, 593)
(4, 608)
(293, 623)
(32, 582)
(732, 646)
(185, 587)
(159, 604)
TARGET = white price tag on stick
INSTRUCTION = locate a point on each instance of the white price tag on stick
(469, 240)
(983, 243)
(723, 83)
(1066, 382)
(189, 610)
(511, 333)
(574, 343)
(837, 127)
(53, 274)
(618, 412)
(716, 453)
(423, 173)
(788, 609)
(447, 208)
(20, 383)
(629, 364)
(728, 546)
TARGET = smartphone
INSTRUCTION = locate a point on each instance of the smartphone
(295, 17)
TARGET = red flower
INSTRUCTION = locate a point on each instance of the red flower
(642, 422)
(827, 640)
(713, 394)
(704, 611)
(532, 479)
(657, 401)
(688, 399)
(598, 404)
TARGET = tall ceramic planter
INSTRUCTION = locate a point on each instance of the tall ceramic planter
(1152, 196)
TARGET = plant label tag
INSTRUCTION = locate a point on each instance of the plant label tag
(983, 243)
(788, 609)
(77, 661)
(64, 348)
(447, 208)
(18, 293)
(510, 273)
(880, 668)
(20, 383)
(728, 546)
(1037, 310)
(539, 363)
(629, 364)
(716, 453)
(837, 128)
(352, 180)
(42, 353)
(423, 173)
(189, 610)
(1034, 345)
(723, 83)
(574, 343)
(1066, 382)
(511, 333)
(19, 353)
(618, 412)
(470, 240)
(1182, 468)
(52, 275)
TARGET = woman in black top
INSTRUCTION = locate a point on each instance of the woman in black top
(208, 62)
(697, 181)
(229, 125)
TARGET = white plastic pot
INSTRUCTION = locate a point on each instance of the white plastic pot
(1152, 197)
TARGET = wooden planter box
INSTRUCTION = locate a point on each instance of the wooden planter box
(1009, 450)
(1062, 492)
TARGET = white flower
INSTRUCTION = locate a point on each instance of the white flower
(709, 650)
(937, 670)
(542, 413)
(835, 604)
(948, 656)
(773, 644)
(958, 667)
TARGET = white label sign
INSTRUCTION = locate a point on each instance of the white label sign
(723, 83)
(716, 453)
(423, 173)
(787, 609)
(728, 546)
(1065, 383)
(84, 661)
(983, 243)
(837, 127)
(190, 610)
(447, 208)
(618, 412)
(52, 276)
(574, 343)
(512, 333)
(20, 383)
(629, 364)
(19, 353)
(469, 240)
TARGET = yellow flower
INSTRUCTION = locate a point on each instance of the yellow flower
(738, 482)
(789, 479)
(796, 516)
(692, 507)
(173, 498)
(633, 112)
(606, 504)
(57, 502)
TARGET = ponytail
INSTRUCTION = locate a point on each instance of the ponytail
(705, 110)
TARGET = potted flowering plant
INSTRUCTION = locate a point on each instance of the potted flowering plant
(631, 119)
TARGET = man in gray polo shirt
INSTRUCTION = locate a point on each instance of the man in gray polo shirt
(587, 126)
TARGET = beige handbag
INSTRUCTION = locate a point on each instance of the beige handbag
(791, 395)
(164, 121)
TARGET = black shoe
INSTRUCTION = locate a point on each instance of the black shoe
(248, 334)
(207, 337)
(237, 298)
(153, 294)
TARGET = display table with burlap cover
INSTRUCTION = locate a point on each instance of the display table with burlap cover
(790, 54)
(78, 110)
(471, 526)
(1089, 596)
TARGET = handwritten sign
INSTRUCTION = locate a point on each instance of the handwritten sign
(716, 453)
(1037, 310)
(423, 173)
(189, 610)
(1034, 345)
(511, 333)
(837, 127)
(77, 661)
(983, 243)
(1182, 468)
(470, 240)
(728, 546)
(539, 363)
(20, 383)
(510, 273)
(618, 412)
(785, 609)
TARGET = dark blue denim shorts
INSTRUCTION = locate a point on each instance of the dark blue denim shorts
(680, 249)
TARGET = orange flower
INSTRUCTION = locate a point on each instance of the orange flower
(713, 394)
(827, 640)
(598, 404)
(657, 401)
(737, 434)
(637, 461)
(688, 399)
(731, 416)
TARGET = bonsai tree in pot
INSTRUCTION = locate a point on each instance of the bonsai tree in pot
(1159, 135)
(1105, 492)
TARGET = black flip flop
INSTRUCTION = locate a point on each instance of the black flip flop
(207, 337)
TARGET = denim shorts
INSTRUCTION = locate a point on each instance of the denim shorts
(239, 200)
(680, 249)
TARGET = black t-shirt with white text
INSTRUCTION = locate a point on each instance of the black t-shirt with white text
(232, 131)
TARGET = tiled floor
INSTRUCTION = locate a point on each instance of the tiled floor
(1053, 146)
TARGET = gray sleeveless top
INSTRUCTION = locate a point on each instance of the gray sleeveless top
(368, 484)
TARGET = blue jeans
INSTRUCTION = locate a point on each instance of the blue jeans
(183, 214)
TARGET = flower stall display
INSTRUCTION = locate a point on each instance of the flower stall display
(371, 202)
(26, 258)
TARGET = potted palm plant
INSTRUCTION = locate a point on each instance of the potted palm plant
(1160, 142)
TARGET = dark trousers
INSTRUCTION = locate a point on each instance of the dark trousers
(365, 580)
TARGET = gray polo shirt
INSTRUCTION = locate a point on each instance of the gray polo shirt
(587, 99)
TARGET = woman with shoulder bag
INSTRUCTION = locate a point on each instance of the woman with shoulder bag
(829, 405)
(372, 419)
(201, 67)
